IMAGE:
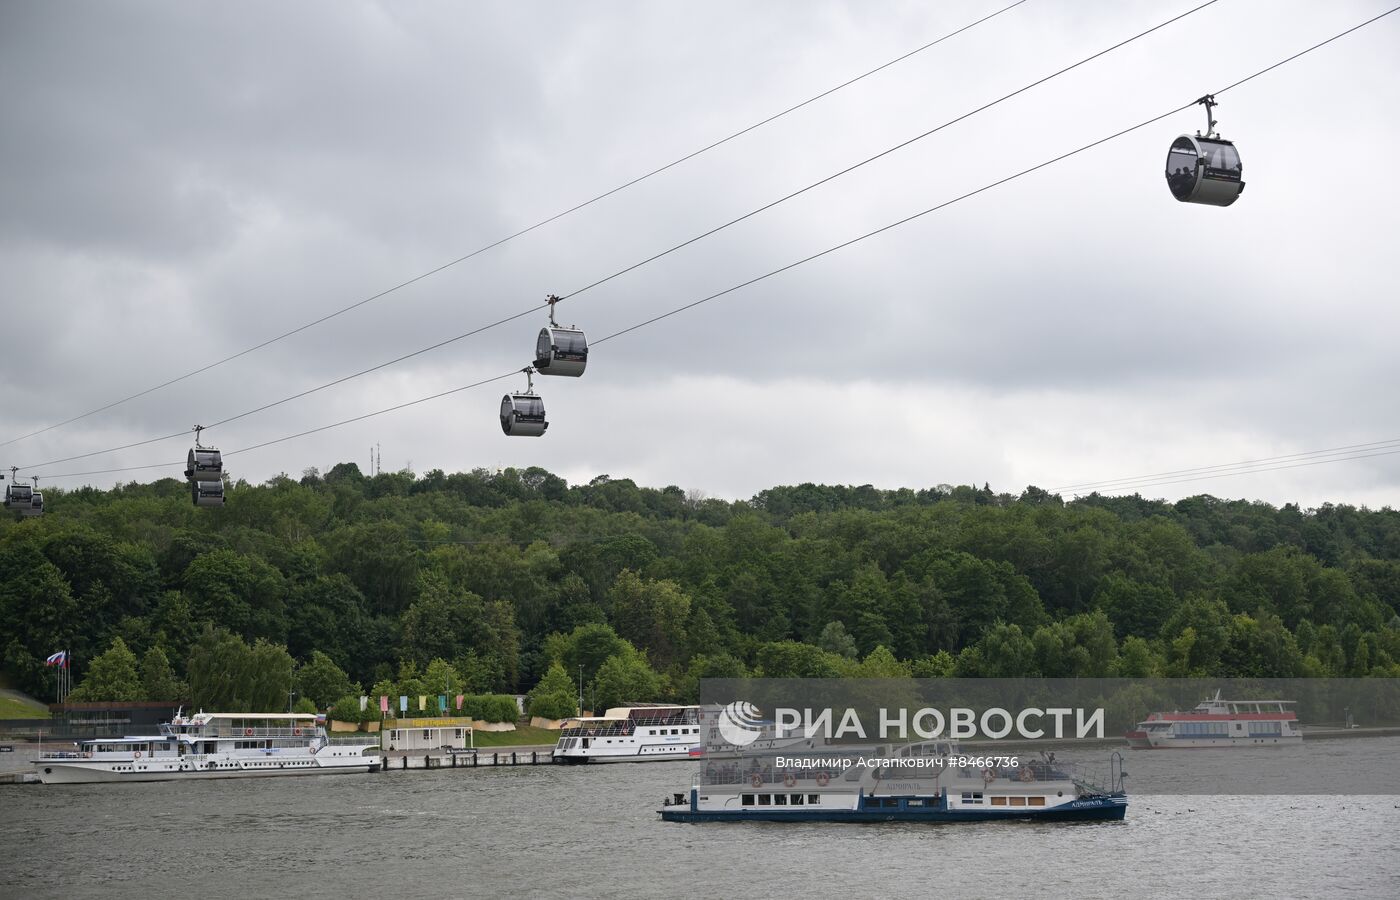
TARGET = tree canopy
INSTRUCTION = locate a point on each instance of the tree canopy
(481, 582)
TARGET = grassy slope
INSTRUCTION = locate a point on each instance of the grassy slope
(522, 735)
(11, 708)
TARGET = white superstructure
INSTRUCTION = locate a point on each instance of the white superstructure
(657, 732)
(211, 745)
(632, 734)
(1219, 723)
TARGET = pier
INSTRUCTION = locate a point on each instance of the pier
(405, 760)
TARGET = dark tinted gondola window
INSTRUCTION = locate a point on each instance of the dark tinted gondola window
(531, 407)
(1181, 159)
(1181, 168)
(570, 342)
(1222, 157)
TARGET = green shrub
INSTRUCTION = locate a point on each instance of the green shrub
(491, 707)
(347, 709)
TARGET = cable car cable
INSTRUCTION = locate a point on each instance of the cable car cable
(524, 231)
(791, 265)
(1306, 454)
(888, 151)
(679, 246)
(1298, 465)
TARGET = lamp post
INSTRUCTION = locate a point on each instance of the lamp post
(580, 691)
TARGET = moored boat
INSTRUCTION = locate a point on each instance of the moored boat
(210, 745)
(1219, 723)
(657, 733)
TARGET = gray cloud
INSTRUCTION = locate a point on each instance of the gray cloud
(182, 181)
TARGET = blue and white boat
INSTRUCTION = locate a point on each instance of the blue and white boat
(930, 782)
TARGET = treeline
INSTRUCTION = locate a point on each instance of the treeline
(488, 579)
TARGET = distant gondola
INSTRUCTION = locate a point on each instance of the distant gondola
(522, 414)
(1205, 169)
(18, 497)
(560, 350)
(207, 493)
(204, 468)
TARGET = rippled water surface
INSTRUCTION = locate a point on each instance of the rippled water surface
(593, 831)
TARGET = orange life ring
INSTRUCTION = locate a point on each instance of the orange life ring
(296, 731)
(136, 755)
(756, 780)
(87, 754)
(988, 776)
(1027, 774)
(823, 779)
(247, 732)
(789, 779)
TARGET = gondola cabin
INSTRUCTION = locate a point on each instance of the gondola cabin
(204, 464)
(36, 505)
(1204, 170)
(19, 496)
(207, 493)
(522, 415)
(561, 351)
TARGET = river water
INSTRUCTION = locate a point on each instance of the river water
(593, 831)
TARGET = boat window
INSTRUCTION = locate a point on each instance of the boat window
(1018, 801)
(796, 799)
(813, 799)
(998, 801)
(746, 800)
(780, 799)
(765, 799)
(916, 802)
(1035, 801)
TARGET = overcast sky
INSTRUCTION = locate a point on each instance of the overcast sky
(182, 180)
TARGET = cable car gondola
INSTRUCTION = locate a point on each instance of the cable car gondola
(19, 497)
(560, 350)
(203, 463)
(204, 467)
(207, 493)
(1205, 169)
(522, 415)
(36, 505)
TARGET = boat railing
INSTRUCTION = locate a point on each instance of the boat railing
(1102, 779)
(622, 726)
(363, 738)
(220, 731)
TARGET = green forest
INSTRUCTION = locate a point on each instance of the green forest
(492, 582)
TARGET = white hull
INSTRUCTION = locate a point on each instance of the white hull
(1190, 743)
(86, 772)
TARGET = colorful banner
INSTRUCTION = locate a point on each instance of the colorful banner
(403, 703)
(364, 703)
(442, 703)
(384, 703)
(460, 698)
(422, 702)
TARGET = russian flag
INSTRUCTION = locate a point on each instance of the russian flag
(697, 751)
(58, 659)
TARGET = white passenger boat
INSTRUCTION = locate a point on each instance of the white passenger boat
(211, 745)
(1219, 723)
(657, 733)
(632, 734)
(930, 782)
